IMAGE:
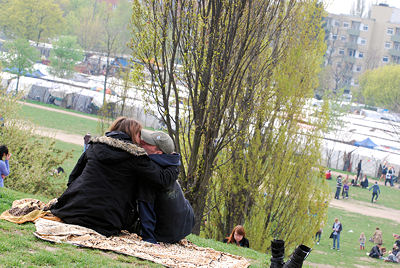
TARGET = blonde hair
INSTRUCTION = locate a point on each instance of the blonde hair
(129, 126)
(362, 234)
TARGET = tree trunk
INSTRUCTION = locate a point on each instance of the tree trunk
(16, 89)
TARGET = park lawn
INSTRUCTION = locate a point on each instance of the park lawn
(59, 108)
(389, 197)
(75, 150)
(68, 123)
(350, 254)
(20, 248)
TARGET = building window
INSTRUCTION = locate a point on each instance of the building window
(337, 23)
(341, 51)
(385, 59)
(387, 45)
(346, 25)
(339, 65)
(389, 31)
(365, 27)
(358, 68)
(343, 38)
(363, 41)
(360, 55)
(334, 36)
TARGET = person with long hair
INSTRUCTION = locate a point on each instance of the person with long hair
(101, 187)
(237, 237)
(4, 165)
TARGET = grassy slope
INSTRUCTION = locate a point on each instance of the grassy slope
(19, 247)
(350, 255)
(389, 197)
(68, 123)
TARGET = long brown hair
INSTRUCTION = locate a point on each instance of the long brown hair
(238, 229)
(128, 125)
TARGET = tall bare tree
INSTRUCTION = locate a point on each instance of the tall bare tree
(206, 60)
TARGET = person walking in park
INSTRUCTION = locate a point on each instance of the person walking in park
(338, 186)
(375, 191)
(345, 193)
(377, 236)
(359, 169)
(336, 229)
(4, 165)
(389, 176)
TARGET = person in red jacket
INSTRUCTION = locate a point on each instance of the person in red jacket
(328, 175)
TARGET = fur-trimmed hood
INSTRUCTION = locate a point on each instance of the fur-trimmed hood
(131, 148)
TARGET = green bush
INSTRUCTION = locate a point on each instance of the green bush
(33, 158)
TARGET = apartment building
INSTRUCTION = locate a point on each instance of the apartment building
(356, 44)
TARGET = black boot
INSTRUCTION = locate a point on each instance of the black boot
(298, 256)
(278, 252)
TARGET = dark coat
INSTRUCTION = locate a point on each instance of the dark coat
(243, 243)
(175, 217)
(101, 187)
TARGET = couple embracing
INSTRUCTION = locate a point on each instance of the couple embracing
(126, 177)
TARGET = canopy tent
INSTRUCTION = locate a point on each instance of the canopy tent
(368, 143)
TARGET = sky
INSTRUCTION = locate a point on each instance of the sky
(344, 6)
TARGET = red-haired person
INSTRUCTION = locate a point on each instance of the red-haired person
(238, 237)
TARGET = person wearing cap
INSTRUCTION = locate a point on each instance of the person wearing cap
(165, 215)
(101, 187)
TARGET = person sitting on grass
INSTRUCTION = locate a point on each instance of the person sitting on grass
(377, 251)
(165, 215)
(238, 237)
(394, 255)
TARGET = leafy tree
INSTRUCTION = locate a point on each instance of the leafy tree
(270, 182)
(83, 21)
(115, 35)
(64, 55)
(33, 158)
(208, 62)
(33, 20)
(380, 87)
(20, 57)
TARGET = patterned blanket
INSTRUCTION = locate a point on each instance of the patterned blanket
(183, 254)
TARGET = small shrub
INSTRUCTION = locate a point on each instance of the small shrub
(33, 158)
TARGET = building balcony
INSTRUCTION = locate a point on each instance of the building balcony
(351, 45)
(396, 38)
(350, 59)
(394, 52)
(352, 31)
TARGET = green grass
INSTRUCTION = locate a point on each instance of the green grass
(389, 197)
(59, 108)
(76, 151)
(350, 255)
(68, 123)
(20, 248)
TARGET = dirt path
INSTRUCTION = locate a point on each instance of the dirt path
(57, 110)
(59, 135)
(368, 209)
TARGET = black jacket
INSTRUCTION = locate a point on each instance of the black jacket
(243, 243)
(175, 217)
(101, 187)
